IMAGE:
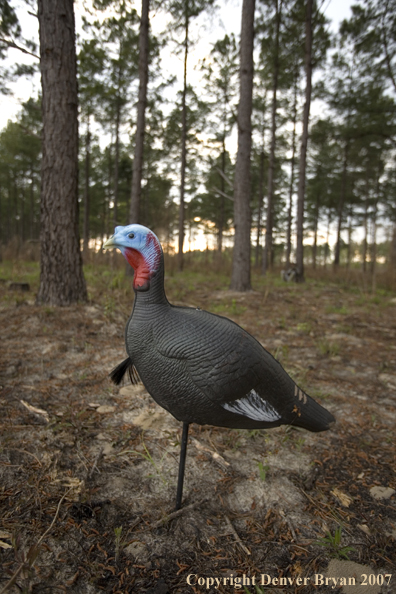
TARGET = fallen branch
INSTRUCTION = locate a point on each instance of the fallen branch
(35, 410)
(236, 535)
(177, 513)
(219, 459)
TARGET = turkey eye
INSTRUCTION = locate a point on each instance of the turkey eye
(131, 235)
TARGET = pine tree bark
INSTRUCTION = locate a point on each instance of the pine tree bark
(87, 187)
(392, 250)
(31, 217)
(136, 188)
(180, 261)
(327, 244)
(341, 203)
(61, 280)
(365, 240)
(221, 213)
(116, 161)
(260, 204)
(304, 144)
(316, 224)
(267, 258)
(240, 279)
(349, 254)
(374, 236)
(292, 166)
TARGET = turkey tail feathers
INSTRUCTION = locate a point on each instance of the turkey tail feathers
(134, 376)
(117, 374)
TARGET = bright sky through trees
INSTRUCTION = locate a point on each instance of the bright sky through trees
(226, 20)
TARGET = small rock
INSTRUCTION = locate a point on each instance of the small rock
(92, 310)
(137, 550)
(349, 570)
(388, 379)
(102, 437)
(364, 529)
(107, 448)
(105, 408)
(381, 492)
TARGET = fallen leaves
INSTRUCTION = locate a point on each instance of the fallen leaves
(35, 410)
(343, 498)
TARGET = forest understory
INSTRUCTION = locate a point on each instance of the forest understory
(88, 471)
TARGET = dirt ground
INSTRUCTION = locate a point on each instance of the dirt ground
(88, 471)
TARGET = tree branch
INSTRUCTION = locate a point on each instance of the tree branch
(10, 43)
(221, 193)
(223, 175)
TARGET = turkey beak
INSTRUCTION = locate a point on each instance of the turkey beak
(110, 243)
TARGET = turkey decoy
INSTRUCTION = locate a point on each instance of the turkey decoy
(201, 367)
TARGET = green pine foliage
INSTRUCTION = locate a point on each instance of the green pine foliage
(350, 191)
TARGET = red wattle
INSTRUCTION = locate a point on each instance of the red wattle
(141, 268)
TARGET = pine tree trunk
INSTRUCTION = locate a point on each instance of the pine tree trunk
(109, 231)
(392, 255)
(374, 238)
(61, 280)
(365, 242)
(17, 218)
(373, 255)
(31, 222)
(304, 144)
(292, 164)
(221, 214)
(240, 279)
(136, 188)
(260, 204)
(315, 244)
(116, 162)
(180, 262)
(86, 186)
(267, 257)
(22, 214)
(327, 247)
(349, 256)
(8, 227)
(341, 206)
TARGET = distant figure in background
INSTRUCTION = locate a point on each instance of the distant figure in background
(289, 275)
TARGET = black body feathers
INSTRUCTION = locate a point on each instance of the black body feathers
(205, 369)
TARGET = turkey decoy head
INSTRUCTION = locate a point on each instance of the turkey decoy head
(142, 250)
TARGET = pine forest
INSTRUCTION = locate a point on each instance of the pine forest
(321, 192)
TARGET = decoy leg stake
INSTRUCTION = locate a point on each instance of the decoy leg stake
(182, 463)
